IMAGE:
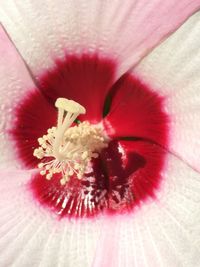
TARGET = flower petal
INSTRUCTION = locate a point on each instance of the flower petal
(85, 79)
(44, 31)
(172, 70)
(125, 175)
(136, 112)
(33, 117)
(30, 237)
(160, 233)
(164, 232)
(15, 81)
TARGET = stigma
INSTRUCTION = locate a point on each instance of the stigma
(66, 149)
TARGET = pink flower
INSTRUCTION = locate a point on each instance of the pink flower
(138, 203)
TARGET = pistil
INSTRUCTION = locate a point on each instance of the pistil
(69, 150)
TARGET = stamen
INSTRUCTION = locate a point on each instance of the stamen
(69, 149)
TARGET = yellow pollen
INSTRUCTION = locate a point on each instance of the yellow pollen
(69, 150)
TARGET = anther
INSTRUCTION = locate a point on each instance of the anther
(70, 149)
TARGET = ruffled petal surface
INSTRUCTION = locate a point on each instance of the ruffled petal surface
(15, 82)
(164, 232)
(172, 70)
(43, 31)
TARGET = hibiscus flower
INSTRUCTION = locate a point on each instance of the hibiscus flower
(98, 165)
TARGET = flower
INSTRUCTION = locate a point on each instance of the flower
(142, 188)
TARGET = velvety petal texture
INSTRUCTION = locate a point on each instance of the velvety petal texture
(173, 70)
(43, 31)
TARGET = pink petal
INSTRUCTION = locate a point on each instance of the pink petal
(15, 81)
(86, 79)
(161, 233)
(43, 31)
(30, 237)
(172, 70)
(164, 232)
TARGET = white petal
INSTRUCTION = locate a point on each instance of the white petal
(173, 70)
(15, 82)
(125, 31)
(30, 236)
(164, 232)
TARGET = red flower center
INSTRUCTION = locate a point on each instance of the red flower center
(128, 171)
